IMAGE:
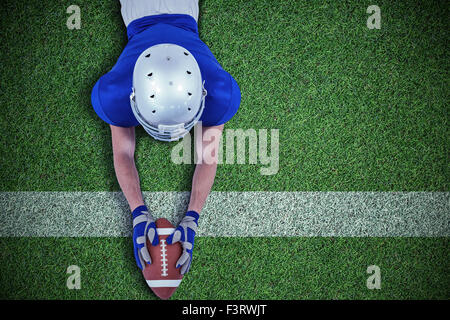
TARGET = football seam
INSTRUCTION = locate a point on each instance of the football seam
(163, 259)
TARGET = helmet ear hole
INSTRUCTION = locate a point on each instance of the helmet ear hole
(152, 96)
(186, 54)
(150, 74)
(189, 109)
(189, 94)
(148, 55)
(188, 72)
(154, 111)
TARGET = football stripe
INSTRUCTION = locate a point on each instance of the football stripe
(164, 231)
(232, 214)
(163, 283)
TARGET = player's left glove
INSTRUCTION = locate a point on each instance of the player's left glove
(143, 227)
(185, 233)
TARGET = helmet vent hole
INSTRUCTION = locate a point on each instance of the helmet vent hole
(154, 111)
(188, 72)
(147, 56)
(186, 54)
(152, 96)
(150, 74)
(189, 109)
(190, 94)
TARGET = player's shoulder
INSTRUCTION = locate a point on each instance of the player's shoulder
(223, 98)
(224, 95)
(110, 99)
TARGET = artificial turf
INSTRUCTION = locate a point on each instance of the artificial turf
(357, 110)
(232, 268)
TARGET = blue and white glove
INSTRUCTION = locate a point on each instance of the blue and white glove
(185, 233)
(143, 226)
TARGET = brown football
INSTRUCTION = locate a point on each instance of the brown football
(161, 275)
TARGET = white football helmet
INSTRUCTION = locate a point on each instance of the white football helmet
(168, 93)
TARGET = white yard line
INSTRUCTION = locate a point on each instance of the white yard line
(232, 214)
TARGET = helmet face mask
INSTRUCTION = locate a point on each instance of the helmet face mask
(168, 94)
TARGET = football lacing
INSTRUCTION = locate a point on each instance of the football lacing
(163, 259)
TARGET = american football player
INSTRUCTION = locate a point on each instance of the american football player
(166, 80)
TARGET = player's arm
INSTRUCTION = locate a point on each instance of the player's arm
(123, 144)
(207, 150)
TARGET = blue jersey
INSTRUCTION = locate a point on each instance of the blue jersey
(110, 95)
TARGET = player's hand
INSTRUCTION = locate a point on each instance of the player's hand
(185, 233)
(143, 227)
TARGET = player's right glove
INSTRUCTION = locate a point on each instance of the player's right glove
(185, 233)
(143, 226)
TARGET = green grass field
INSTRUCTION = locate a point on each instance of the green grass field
(357, 110)
(232, 268)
